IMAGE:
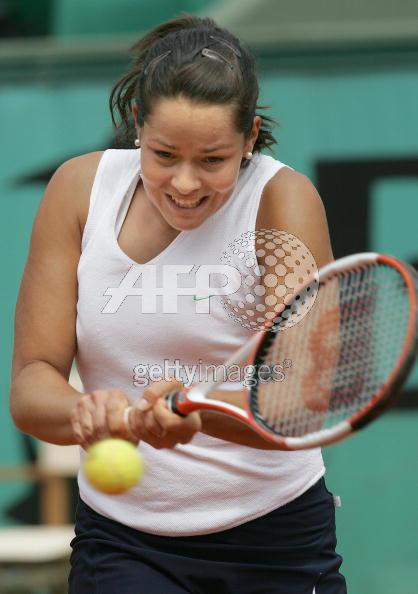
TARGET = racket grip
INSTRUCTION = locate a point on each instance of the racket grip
(172, 399)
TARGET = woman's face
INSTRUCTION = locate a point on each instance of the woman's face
(190, 157)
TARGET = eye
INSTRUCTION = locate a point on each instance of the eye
(163, 154)
(213, 160)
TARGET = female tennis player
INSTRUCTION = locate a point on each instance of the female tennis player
(117, 246)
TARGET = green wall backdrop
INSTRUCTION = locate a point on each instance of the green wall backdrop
(329, 111)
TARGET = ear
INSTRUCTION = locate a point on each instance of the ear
(250, 142)
(135, 113)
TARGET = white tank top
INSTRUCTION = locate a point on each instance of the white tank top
(207, 485)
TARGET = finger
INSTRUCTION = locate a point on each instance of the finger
(140, 422)
(156, 391)
(76, 426)
(101, 429)
(164, 417)
(147, 400)
(193, 425)
(93, 415)
(130, 424)
(180, 428)
(115, 414)
(152, 425)
(85, 419)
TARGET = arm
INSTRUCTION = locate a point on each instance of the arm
(290, 203)
(42, 402)
(45, 342)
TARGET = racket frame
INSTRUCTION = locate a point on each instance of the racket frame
(193, 398)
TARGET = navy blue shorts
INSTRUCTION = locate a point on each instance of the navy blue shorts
(289, 551)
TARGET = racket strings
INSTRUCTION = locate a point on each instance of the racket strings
(341, 353)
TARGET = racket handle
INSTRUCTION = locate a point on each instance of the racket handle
(172, 398)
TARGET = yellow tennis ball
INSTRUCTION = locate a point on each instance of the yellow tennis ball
(113, 465)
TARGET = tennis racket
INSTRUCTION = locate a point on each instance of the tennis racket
(350, 355)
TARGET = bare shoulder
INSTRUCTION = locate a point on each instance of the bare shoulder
(46, 307)
(290, 202)
(70, 186)
(288, 187)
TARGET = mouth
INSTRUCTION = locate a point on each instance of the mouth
(183, 205)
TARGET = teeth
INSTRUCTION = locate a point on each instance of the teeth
(185, 204)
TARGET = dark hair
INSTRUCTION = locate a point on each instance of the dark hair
(194, 58)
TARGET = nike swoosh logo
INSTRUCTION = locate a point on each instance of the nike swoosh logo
(196, 298)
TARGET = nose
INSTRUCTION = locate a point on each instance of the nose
(185, 180)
